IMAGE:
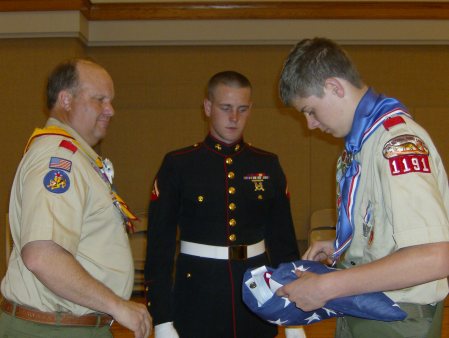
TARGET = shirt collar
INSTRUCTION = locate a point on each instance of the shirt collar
(224, 148)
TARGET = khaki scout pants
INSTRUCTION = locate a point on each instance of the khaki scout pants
(11, 327)
(418, 324)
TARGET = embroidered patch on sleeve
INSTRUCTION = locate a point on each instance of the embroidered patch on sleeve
(409, 164)
(60, 163)
(405, 145)
(57, 181)
(407, 154)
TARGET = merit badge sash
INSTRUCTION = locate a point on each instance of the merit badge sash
(371, 112)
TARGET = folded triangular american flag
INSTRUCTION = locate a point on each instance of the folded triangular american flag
(259, 294)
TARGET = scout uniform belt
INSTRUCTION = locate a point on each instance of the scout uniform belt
(54, 318)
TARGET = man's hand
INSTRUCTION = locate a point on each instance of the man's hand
(305, 292)
(62, 274)
(320, 251)
(135, 317)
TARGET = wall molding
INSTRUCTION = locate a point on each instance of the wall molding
(45, 5)
(219, 23)
(207, 10)
(270, 10)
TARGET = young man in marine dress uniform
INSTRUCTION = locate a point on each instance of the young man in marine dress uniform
(232, 207)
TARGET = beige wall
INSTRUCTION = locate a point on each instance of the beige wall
(159, 93)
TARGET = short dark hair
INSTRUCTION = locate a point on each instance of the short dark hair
(309, 64)
(229, 78)
(63, 77)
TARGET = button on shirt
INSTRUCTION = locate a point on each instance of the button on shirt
(219, 195)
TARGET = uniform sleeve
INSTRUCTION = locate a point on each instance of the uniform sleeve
(412, 198)
(280, 234)
(162, 224)
(52, 199)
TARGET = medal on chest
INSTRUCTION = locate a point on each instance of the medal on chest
(258, 180)
(106, 170)
(343, 163)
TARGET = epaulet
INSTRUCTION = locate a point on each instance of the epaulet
(186, 149)
(393, 121)
(68, 145)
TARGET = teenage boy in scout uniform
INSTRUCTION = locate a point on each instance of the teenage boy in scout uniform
(231, 205)
(70, 273)
(393, 197)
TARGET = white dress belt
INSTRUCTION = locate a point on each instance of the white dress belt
(236, 252)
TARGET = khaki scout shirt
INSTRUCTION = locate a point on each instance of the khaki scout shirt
(396, 211)
(82, 220)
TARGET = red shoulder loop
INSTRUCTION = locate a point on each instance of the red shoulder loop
(68, 145)
(392, 121)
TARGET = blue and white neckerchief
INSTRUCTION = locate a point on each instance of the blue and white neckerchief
(371, 112)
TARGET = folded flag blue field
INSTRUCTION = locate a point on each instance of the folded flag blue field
(259, 294)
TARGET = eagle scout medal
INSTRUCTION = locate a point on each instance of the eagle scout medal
(343, 163)
(125, 211)
(108, 169)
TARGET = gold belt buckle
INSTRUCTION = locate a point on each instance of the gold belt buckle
(238, 252)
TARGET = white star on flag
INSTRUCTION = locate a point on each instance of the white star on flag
(277, 322)
(300, 268)
(313, 317)
(329, 311)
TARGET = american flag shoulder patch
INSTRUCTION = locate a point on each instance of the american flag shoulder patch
(60, 163)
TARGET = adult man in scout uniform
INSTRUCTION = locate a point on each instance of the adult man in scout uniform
(393, 197)
(70, 273)
(231, 205)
